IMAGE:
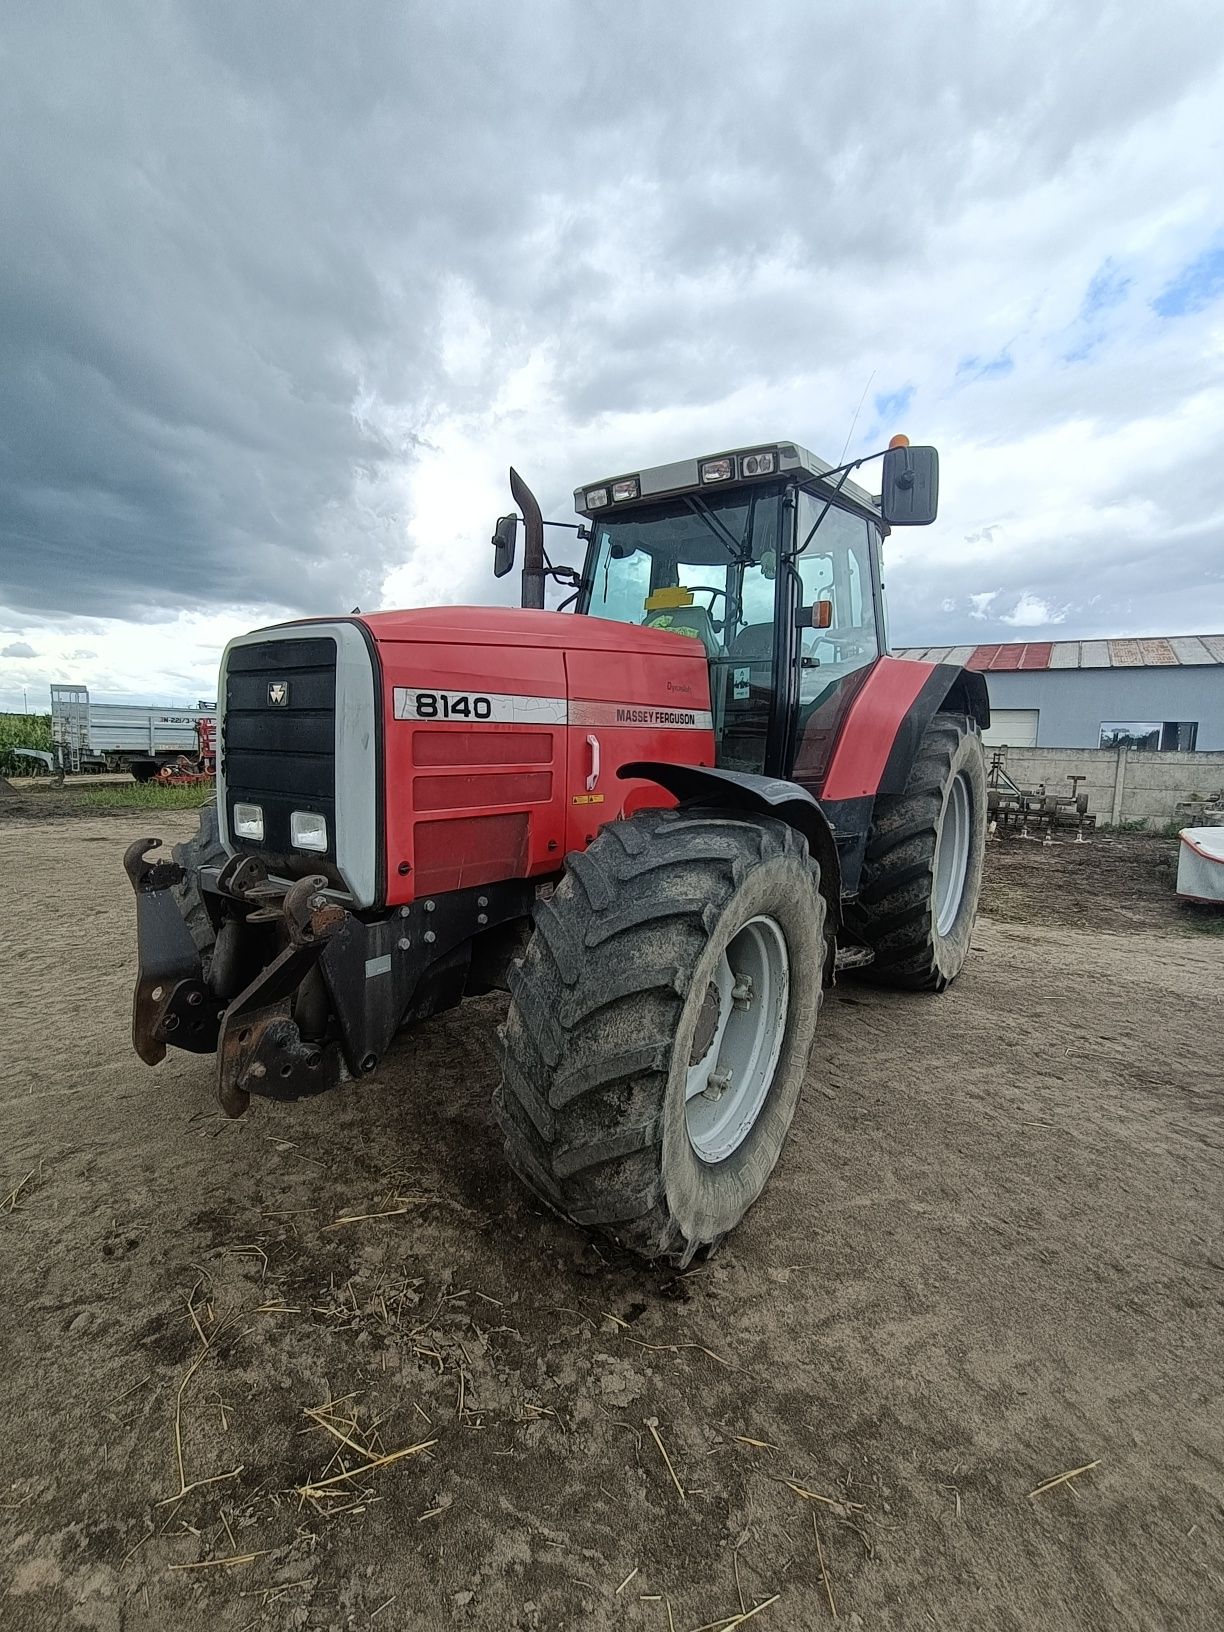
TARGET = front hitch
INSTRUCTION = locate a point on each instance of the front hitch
(172, 1002)
(261, 1050)
(259, 1047)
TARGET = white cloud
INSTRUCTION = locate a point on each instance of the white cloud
(1031, 612)
(172, 661)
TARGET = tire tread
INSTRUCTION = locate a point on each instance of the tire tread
(596, 1001)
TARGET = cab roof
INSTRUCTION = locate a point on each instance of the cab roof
(684, 475)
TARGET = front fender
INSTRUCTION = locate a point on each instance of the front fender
(758, 795)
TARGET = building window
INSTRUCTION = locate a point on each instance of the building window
(1179, 736)
(1143, 735)
(1150, 736)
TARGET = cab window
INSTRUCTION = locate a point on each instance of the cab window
(718, 553)
(836, 569)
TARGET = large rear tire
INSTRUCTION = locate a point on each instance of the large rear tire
(204, 850)
(922, 873)
(660, 1026)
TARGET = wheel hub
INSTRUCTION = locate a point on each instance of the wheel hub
(707, 1025)
(737, 1040)
(952, 854)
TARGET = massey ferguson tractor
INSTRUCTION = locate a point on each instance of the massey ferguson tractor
(661, 821)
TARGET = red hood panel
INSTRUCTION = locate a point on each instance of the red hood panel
(504, 731)
(516, 626)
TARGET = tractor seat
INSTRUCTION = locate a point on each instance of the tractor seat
(680, 617)
(753, 644)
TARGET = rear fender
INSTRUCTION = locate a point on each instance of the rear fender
(755, 795)
(879, 740)
(947, 689)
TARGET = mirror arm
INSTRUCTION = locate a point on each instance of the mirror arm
(844, 472)
(829, 501)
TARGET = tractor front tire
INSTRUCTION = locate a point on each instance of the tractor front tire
(660, 1026)
(204, 850)
(922, 872)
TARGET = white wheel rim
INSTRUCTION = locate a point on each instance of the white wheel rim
(952, 855)
(738, 1040)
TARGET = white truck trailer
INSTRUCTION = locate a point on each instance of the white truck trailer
(136, 737)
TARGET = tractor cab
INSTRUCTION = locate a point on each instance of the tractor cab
(769, 558)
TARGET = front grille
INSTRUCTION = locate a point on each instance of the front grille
(281, 754)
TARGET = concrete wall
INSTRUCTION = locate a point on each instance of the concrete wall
(1122, 785)
(1073, 703)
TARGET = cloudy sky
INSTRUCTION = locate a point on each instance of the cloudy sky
(286, 289)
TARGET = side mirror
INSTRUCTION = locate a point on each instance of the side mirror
(909, 495)
(505, 537)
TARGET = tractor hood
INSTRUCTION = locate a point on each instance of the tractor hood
(513, 626)
(402, 754)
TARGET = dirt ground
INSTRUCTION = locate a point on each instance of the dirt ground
(993, 1253)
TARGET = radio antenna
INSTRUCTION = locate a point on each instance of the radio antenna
(857, 412)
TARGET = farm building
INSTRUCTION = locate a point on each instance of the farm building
(1155, 694)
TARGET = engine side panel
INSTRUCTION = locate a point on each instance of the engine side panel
(657, 707)
(475, 754)
(501, 757)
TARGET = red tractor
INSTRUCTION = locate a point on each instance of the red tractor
(661, 822)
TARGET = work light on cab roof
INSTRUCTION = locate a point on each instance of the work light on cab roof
(908, 490)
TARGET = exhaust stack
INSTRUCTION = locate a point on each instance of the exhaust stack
(533, 541)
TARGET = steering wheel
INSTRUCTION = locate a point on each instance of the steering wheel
(711, 590)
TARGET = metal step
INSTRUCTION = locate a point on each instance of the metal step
(854, 957)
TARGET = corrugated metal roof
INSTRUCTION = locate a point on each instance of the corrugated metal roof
(1190, 649)
(1150, 652)
(1065, 654)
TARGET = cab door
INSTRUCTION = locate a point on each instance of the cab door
(838, 589)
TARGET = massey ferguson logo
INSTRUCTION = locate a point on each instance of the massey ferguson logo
(278, 693)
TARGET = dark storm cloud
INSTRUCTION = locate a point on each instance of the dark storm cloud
(224, 229)
(231, 233)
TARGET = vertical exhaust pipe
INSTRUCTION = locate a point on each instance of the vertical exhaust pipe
(533, 541)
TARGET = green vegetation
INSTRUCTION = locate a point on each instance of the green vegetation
(22, 731)
(146, 796)
(1202, 919)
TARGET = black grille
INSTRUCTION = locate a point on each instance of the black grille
(281, 754)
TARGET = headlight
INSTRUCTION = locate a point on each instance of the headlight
(596, 498)
(628, 489)
(717, 470)
(307, 831)
(248, 822)
(758, 464)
